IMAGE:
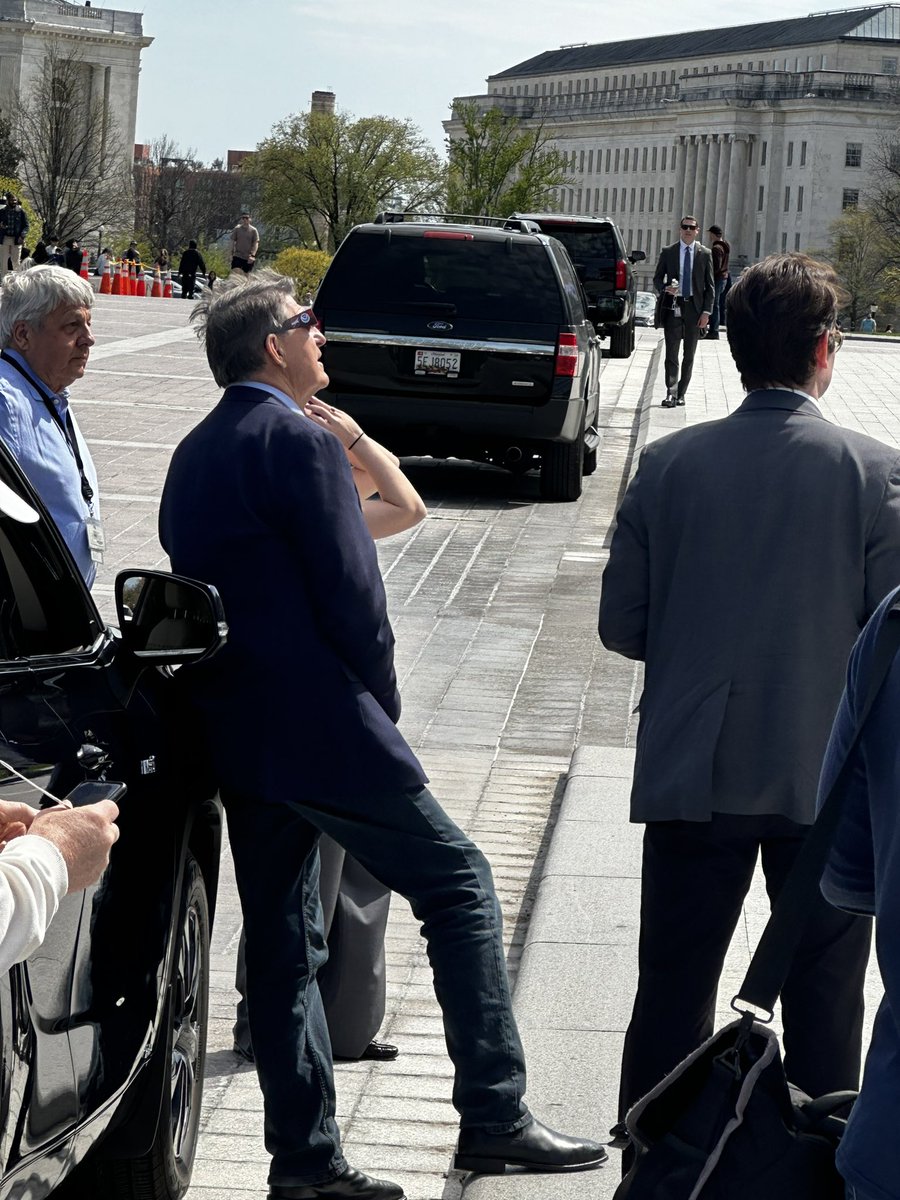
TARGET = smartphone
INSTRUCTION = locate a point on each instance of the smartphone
(93, 790)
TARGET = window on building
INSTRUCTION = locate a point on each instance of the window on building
(644, 159)
(578, 200)
(662, 159)
(750, 154)
(671, 199)
(518, 89)
(651, 198)
(617, 160)
(632, 80)
(740, 66)
(658, 240)
(799, 199)
(706, 70)
(764, 154)
(853, 154)
(653, 159)
(525, 92)
(787, 199)
(627, 156)
(796, 241)
(644, 80)
(758, 241)
(569, 87)
(672, 79)
(634, 160)
(581, 163)
(614, 192)
(889, 66)
(783, 242)
(591, 162)
(653, 79)
(608, 152)
(632, 199)
(674, 155)
(641, 202)
(803, 154)
(761, 66)
(640, 244)
(715, 69)
(761, 198)
(605, 198)
(850, 198)
(824, 66)
(662, 192)
(809, 59)
(790, 154)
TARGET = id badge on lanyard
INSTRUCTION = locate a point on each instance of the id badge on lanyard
(96, 539)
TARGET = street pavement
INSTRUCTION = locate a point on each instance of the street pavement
(493, 600)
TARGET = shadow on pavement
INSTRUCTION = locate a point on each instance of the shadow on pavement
(439, 478)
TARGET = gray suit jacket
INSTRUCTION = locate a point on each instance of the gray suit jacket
(748, 554)
(702, 278)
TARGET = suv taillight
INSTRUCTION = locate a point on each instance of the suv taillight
(621, 276)
(566, 355)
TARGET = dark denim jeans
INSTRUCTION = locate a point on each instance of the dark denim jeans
(715, 315)
(408, 842)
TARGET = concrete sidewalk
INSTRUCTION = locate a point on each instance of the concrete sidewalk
(578, 974)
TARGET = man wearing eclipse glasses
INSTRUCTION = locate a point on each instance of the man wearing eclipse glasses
(685, 282)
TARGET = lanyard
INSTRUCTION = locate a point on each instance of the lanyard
(66, 427)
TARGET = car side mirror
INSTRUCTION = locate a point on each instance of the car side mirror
(637, 256)
(166, 618)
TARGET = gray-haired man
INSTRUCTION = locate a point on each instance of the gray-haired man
(46, 339)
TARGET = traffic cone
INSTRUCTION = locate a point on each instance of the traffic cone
(84, 265)
(117, 279)
(106, 281)
(157, 289)
(167, 290)
(133, 280)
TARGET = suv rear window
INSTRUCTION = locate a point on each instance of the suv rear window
(482, 280)
(591, 250)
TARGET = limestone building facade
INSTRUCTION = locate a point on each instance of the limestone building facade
(108, 42)
(769, 130)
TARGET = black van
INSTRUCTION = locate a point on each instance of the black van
(466, 337)
(597, 250)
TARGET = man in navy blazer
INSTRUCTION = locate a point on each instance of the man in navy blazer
(748, 554)
(300, 713)
(685, 283)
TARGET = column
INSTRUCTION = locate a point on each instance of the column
(682, 144)
(718, 217)
(690, 179)
(738, 203)
(708, 216)
(700, 186)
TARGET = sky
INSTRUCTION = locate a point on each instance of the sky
(220, 74)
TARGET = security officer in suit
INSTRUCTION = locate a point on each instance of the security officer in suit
(685, 283)
(748, 554)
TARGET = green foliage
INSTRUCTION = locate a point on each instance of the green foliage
(9, 183)
(322, 173)
(497, 167)
(10, 154)
(860, 254)
(120, 244)
(305, 267)
(216, 259)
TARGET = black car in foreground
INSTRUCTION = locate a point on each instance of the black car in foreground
(103, 1028)
(468, 337)
(604, 266)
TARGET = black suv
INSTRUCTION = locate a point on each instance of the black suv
(604, 267)
(103, 1027)
(465, 336)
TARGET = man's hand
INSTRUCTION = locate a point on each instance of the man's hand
(704, 321)
(15, 819)
(84, 836)
(672, 289)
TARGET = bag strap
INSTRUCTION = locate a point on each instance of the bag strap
(775, 952)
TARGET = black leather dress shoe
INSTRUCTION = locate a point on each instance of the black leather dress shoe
(680, 401)
(669, 402)
(534, 1147)
(349, 1185)
(374, 1052)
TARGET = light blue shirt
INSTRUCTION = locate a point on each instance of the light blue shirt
(276, 392)
(42, 451)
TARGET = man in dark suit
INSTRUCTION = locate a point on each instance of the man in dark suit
(684, 281)
(299, 711)
(748, 554)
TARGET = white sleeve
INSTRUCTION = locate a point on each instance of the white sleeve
(33, 880)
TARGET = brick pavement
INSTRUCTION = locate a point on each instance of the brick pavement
(493, 600)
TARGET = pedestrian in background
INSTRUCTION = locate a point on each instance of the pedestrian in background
(721, 254)
(867, 324)
(244, 244)
(73, 256)
(748, 553)
(191, 262)
(685, 273)
(102, 259)
(14, 229)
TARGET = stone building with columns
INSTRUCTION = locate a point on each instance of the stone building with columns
(769, 130)
(108, 42)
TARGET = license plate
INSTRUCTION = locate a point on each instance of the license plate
(438, 362)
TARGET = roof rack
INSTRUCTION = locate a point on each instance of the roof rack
(513, 224)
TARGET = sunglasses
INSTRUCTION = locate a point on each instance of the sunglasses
(693, 227)
(304, 319)
(837, 339)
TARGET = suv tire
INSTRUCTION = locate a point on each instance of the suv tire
(562, 465)
(621, 340)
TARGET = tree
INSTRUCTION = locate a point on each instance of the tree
(75, 168)
(860, 254)
(322, 173)
(497, 167)
(306, 267)
(10, 154)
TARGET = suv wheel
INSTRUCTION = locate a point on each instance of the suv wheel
(621, 340)
(164, 1172)
(562, 464)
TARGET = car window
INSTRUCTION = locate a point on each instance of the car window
(42, 607)
(591, 250)
(507, 280)
(571, 282)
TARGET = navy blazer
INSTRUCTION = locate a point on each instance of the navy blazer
(748, 554)
(302, 702)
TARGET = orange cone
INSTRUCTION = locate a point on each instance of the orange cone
(106, 281)
(157, 289)
(167, 290)
(84, 265)
(117, 279)
(133, 280)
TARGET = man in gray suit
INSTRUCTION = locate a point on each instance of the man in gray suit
(684, 280)
(748, 554)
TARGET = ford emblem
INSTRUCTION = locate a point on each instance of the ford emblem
(443, 325)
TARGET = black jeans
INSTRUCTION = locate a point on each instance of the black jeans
(408, 842)
(694, 878)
